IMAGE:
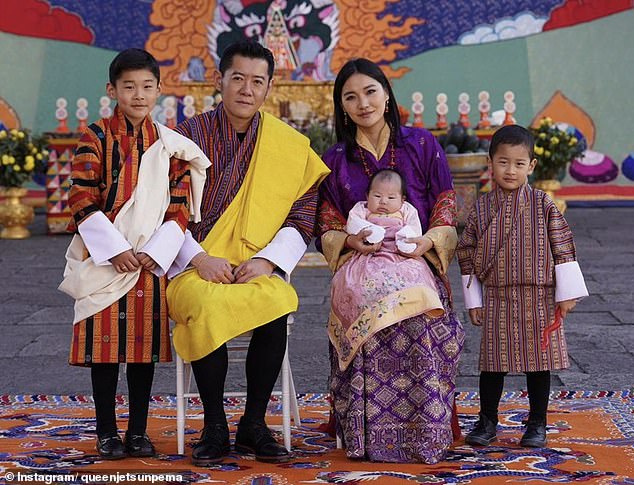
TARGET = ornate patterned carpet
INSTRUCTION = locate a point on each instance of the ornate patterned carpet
(590, 440)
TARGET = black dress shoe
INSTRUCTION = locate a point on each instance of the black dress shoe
(213, 445)
(256, 438)
(535, 435)
(139, 445)
(484, 432)
(110, 447)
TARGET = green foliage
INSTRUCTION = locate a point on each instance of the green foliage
(21, 156)
(554, 149)
(321, 136)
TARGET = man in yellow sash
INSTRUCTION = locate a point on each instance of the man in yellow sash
(258, 212)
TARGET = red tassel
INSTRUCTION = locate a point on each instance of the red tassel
(557, 322)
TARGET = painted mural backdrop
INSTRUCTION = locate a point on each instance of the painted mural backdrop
(189, 35)
(311, 38)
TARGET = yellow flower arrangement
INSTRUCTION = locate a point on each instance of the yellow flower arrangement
(554, 149)
(21, 156)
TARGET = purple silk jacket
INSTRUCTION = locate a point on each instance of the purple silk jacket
(421, 161)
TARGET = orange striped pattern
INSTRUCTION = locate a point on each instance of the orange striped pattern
(135, 329)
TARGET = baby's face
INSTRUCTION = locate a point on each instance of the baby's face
(385, 197)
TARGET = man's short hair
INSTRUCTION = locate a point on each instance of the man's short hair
(246, 48)
(133, 60)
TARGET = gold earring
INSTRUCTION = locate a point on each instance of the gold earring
(345, 118)
(387, 106)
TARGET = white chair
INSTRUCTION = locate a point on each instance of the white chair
(239, 344)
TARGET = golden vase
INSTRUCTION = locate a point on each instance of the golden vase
(551, 186)
(14, 215)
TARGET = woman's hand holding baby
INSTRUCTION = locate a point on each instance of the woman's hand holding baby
(423, 244)
(358, 242)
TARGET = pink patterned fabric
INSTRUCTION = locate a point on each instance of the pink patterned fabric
(373, 291)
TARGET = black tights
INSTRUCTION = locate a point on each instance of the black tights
(104, 388)
(538, 384)
(264, 360)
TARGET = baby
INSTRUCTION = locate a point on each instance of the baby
(386, 199)
(372, 291)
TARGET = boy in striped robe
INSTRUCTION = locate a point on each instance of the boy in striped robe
(519, 272)
(130, 205)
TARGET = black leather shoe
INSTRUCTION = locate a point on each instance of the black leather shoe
(256, 438)
(484, 432)
(535, 435)
(110, 447)
(139, 445)
(213, 445)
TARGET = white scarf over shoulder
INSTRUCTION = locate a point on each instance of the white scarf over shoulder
(94, 287)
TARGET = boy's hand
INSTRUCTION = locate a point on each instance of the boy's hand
(566, 306)
(125, 262)
(477, 316)
(253, 268)
(146, 261)
(423, 244)
(358, 243)
(210, 268)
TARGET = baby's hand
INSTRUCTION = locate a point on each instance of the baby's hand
(477, 316)
(566, 306)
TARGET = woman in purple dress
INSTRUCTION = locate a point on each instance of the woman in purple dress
(394, 400)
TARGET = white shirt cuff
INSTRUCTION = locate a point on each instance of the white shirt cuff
(164, 245)
(187, 251)
(569, 282)
(102, 239)
(285, 250)
(472, 293)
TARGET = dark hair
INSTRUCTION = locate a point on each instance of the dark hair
(512, 135)
(133, 60)
(346, 133)
(389, 174)
(246, 48)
